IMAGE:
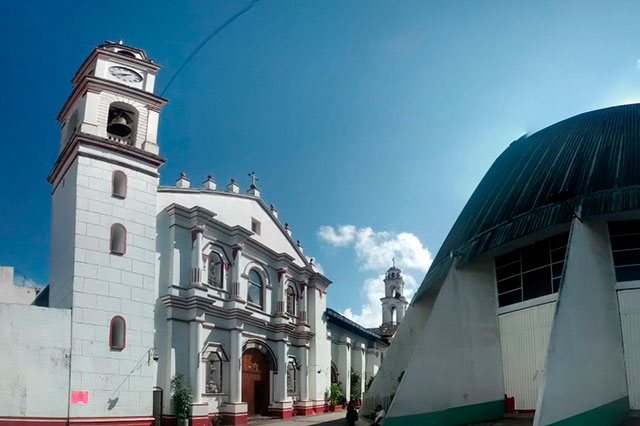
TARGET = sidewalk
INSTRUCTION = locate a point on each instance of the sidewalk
(329, 419)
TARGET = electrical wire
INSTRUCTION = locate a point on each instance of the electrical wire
(206, 40)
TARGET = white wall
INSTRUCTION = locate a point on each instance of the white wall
(35, 348)
(119, 382)
(629, 301)
(457, 362)
(235, 210)
(524, 339)
(10, 293)
(585, 364)
(397, 356)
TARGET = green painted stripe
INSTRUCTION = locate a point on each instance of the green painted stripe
(453, 416)
(609, 414)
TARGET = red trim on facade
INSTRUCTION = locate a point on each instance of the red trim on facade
(305, 411)
(235, 418)
(91, 421)
(281, 413)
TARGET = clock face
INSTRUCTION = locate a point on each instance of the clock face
(125, 74)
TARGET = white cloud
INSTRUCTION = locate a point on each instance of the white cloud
(375, 251)
(342, 237)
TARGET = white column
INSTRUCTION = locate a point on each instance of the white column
(303, 305)
(197, 263)
(344, 366)
(280, 388)
(235, 368)
(359, 364)
(237, 290)
(195, 363)
(281, 290)
(305, 371)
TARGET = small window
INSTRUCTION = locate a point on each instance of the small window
(119, 184)
(118, 239)
(625, 245)
(254, 292)
(117, 333)
(255, 226)
(532, 271)
(215, 270)
(291, 300)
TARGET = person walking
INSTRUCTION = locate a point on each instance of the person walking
(352, 414)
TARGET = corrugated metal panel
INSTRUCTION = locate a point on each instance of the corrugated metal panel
(629, 301)
(524, 338)
(593, 155)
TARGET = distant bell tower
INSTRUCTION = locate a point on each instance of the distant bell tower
(103, 233)
(394, 304)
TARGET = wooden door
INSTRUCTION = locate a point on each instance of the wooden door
(255, 382)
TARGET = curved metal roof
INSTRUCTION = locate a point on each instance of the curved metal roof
(595, 156)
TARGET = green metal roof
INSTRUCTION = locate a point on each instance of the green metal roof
(595, 156)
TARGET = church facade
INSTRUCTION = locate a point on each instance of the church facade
(149, 282)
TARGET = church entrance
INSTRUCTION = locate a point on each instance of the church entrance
(255, 382)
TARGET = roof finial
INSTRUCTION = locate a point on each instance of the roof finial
(254, 179)
(393, 260)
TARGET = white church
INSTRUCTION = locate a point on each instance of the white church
(148, 282)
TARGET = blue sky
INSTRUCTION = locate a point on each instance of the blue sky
(374, 118)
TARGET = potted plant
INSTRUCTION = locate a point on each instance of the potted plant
(334, 395)
(181, 396)
(356, 380)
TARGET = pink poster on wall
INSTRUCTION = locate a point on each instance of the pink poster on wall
(79, 397)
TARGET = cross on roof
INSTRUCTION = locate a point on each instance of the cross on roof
(254, 179)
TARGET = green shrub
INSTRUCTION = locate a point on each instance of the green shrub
(335, 394)
(181, 395)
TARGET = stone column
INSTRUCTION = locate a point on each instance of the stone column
(344, 365)
(280, 385)
(303, 305)
(235, 367)
(197, 263)
(281, 290)
(195, 363)
(238, 292)
(305, 371)
(359, 364)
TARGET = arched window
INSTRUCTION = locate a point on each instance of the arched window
(118, 239)
(215, 270)
(393, 315)
(119, 184)
(292, 376)
(117, 333)
(291, 299)
(254, 293)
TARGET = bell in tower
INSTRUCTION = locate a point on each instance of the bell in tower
(118, 124)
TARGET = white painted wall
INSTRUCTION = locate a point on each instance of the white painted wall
(585, 363)
(524, 339)
(10, 293)
(629, 301)
(457, 361)
(120, 383)
(35, 348)
(235, 210)
(397, 355)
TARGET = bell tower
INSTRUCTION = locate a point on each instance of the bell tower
(103, 238)
(394, 303)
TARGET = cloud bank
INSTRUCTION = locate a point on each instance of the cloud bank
(374, 253)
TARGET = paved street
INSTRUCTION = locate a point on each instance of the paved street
(337, 419)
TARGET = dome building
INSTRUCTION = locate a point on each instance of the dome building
(535, 292)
